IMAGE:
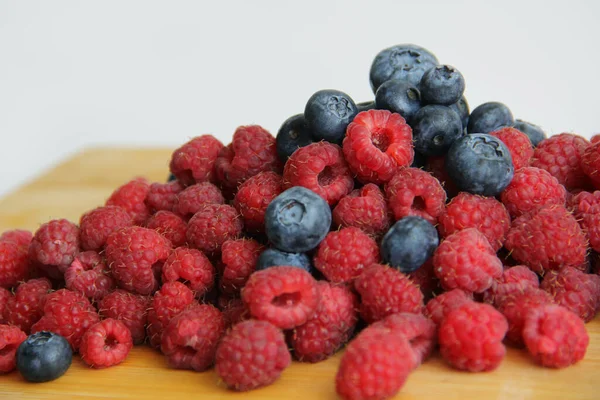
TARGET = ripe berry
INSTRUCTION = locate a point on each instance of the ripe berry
(253, 197)
(214, 224)
(54, 246)
(14, 264)
(365, 208)
(461, 107)
(489, 117)
(193, 199)
(105, 344)
(399, 97)
(435, 128)
(170, 225)
(10, 339)
(161, 196)
(328, 113)
(25, 308)
(292, 135)
(44, 357)
(275, 258)
(238, 262)
(96, 225)
(129, 308)
(405, 62)
(440, 306)
(443, 85)
(533, 132)
(195, 161)
(190, 266)
(132, 197)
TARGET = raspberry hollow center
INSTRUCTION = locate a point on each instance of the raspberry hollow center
(381, 140)
(287, 299)
(7, 349)
(326, 176)
(419, 203)
(110, 343)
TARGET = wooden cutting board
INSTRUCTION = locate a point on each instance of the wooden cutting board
(87, 179)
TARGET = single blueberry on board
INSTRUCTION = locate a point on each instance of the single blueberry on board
(44, 356)
(292, 135)
(489, 117)
(435, 128)
(328, 113)
(409, 243)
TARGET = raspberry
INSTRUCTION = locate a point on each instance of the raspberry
(14, 264)
(170, 225)
(234, 310)
(131, 197)
(591, 225)
(485, 214)
(26, 307)
(595, 138)
(4, 296)
(517, 305)
(161, 196)
(518, 144)
(513, 280)
(252, 354)
(440, 306)
(466, 260)
(344, 254)
(329, 328)
(561, 156)
(68, 314)
(363, 208)
(321, 168)
(131, 309)
(210, 227)
(574, 290)
(54, 246)
(10, 339)
(377, 143)
(133, 254)
(195, 197)
(19, 236)
(191, 338)
(284, 296)
(195, 161)
(436, 166)
(471, 337)
(253, 197)
(192, 267)
(590, 163)
(95, 226)
(88, 275)
(547, 239)
(555, 336)
(425, 279)
(238, 259)
(105, 344)
(385, 291)
(585, 203)
(413, 191)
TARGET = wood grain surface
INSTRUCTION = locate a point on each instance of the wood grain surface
(86, 180)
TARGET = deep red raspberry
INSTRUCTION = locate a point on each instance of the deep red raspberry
(214, 224)
(89, 275)
(590, 163)
(440, 306)
(192, 267)
(284, 296)
(238, 262)
(363, 208)
(105, 344)
(384, 291)
(517, 305)
(161, 196)
(555, 336)
(436, 166)
(377, 143)
(329, 328)
(170, 225)
(252, 354)
(234, 310)
(485, 214)
(425, 279)
(131, 309)
(14, 264)
(344, 254)
(195, 161)
(19, 236)
(595, 138)
(253, 197)
(518, 144)
(54, 246)
(4, 296)
(590, 223)
(131, 196)
(191, 338)
(26, 307)
(95, 226)
(10, 339)
(321, 168)
(574, 290)
(413, 191)
(195, 197)
(513, 280)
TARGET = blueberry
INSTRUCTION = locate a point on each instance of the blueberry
(292, 135)
(405, 62)
(297, 220)
(366, 106)
(400, 97)
(443, 85)
(480, 164)
(328, 113)
(435, 128)
(274, 257)
(171, 178)
(44, 356)
(534, 132)
(409, 243)
(461, 107)
(489, 117)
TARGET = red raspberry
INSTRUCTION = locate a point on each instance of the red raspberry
(585, 203)
(344, 254)
(19, 236)
(214, 224)
(440, 306)
(513, 280)
(321, 168)
(195, 161)
(465, 260)
(105, 344)
(88, 275)
(26, 307)
(252, 354)
(590, 163)
(192, 267)
(135, 256)
(471, 337)
(238, 262)
(131, 197)
(161, 196)
(14, 264)
(10, 339)
(413, 191)
(131, 309)
(377, 143)
(595, 138)
(561, 156)
(485, 214)
(234, 310)
(95, 226)
(425, 279)
(195, 197)
(363, 208)
(574, 290)
(547, 239)
(253, 197)
(54, 246)
(555, 336)
(4, 296)
(591, 225)
(191, 338)
(170, 225)
(329, 328)
(68, 314)
(518, 144)
(436, 166)
(385, 291)
(516, 306)
(284, 296)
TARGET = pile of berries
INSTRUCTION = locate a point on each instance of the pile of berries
(395, 227)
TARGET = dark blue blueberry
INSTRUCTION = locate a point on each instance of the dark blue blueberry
(443, 85)
(292, 135)
(400, 97)
(366, 106)
(419, 161)
(435, 128)
(480, 164)
(171, 178)
(328, 113)
(489, 117)
(534, 132)
(409, 243)
(461, 107)
(297, 220)
(274, 257)
(405, 62)
(44, 356)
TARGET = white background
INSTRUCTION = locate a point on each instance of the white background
(143, 73)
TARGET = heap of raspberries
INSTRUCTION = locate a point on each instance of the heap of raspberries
(178, 266)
